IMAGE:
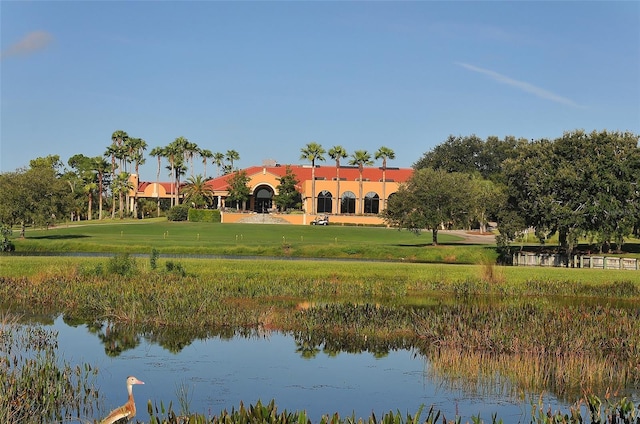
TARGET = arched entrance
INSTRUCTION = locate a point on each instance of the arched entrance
(263, 199)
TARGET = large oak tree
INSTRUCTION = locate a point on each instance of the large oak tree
(431, 199)
(579, 185)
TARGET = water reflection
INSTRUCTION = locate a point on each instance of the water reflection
(219, 372)
(364, 358)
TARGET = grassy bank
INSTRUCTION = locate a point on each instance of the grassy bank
(485, 278)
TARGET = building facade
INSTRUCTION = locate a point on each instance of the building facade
(344, 192)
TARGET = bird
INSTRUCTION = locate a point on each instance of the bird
(128, 410)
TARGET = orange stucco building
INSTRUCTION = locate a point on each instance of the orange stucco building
(338, 192)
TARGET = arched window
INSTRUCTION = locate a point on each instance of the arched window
(325, 202)
(386, 202)
(348, 202)
(371, 203)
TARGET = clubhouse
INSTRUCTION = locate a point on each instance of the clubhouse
(339, 192)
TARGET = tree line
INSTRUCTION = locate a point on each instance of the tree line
(127, 153)
(578, 186)
(48, 190)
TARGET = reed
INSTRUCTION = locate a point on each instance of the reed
(589, 409)
(36, 385)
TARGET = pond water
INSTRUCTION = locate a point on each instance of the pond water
(217, 374)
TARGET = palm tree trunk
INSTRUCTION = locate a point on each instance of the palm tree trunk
(113, 198)
(384, 189)
(100, 196)
(338, 192)
(313, 188)
(135, 193)
(158, 188)
(361, 200)
(90, 204)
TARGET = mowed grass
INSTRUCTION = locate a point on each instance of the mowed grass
(186, 238)
(198, 235)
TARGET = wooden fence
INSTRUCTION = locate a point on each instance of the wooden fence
(577, 261)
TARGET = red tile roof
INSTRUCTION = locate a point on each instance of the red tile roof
(303, 172)
(169, 187)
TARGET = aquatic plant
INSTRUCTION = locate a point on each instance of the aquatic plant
(621, 411)
(36, 385)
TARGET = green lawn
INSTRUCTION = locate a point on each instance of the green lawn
(283, 241)
(188, 238)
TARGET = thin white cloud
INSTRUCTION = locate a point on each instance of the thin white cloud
(32, 42)
(524, 86)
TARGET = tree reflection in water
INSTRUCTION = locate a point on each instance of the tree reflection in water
(482, 348)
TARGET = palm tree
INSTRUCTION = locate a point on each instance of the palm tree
(313, 152)
(137, 147)
(205, 154)
(118, 139)
(336, 153)
(100, 166)
(198, 191)
(179, 170)
(232, 156)
(112, 152)
(170, 153)
(121, 185)
(158, 152)
(89, 187)
(190, 151)
(361, 158)
(384, 153)
(218, 160)
(177, 150)
(135, 150)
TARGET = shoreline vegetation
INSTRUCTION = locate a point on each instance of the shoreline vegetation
(571, 332)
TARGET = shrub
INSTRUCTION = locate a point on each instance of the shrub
(176, 268)
(204, 215)
(153, 259)
(121, 264)
(178, 213)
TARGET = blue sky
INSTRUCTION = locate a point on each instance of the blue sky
(266, 78)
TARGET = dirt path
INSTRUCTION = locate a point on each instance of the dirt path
(472, 237)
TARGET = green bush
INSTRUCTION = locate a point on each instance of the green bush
(121, 264)
(176, 268)
(153, 259)
(204, 215)
(178, 213)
